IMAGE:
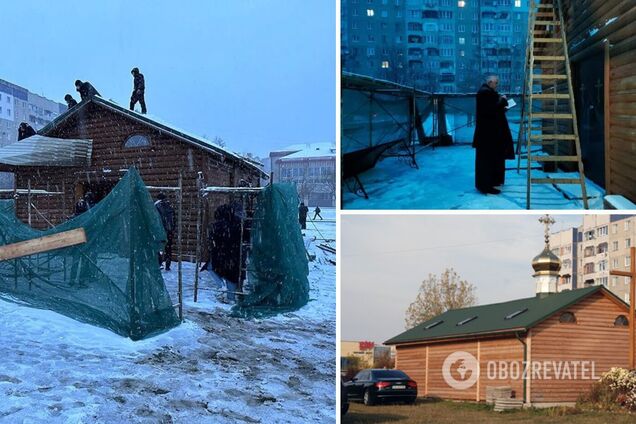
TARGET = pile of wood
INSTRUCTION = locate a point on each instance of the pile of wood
(497, 392)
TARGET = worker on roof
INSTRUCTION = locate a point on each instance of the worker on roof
(70, 101)
(492, 139)
(139, 89)
(317, 213)
(25, 131)
(86, 90)
(166, 213)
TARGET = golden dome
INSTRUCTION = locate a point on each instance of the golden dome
(546, 261)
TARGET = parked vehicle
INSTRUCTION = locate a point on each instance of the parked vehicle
(344, 398)
(379, 385)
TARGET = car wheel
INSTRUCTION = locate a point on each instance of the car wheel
(368, 398)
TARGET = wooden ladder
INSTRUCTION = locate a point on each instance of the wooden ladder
(554, 117)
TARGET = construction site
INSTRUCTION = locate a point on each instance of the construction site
(572, 126)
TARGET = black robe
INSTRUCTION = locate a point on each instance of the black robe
(492, 140)
(87, 91)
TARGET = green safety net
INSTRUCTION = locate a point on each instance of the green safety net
(112, 281)
(277, 268)
(7, 205)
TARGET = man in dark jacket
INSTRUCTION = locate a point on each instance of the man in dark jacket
(25, 131)
(86, 90)
(138, 90)
(492, 139)
(166, 212)
(317, 213)
(70, 101)
(302, 215)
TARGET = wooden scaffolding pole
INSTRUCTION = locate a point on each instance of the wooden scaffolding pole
(632, 294)
(198, 249)
(180, 244)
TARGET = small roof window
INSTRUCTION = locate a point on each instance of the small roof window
(434, 324)
(516, 313)
(467, 320)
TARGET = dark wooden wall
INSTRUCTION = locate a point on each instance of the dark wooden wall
(159, 165)
(614, 20)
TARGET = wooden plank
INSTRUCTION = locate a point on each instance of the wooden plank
(554, 158)
(552, 137)
(552, 116)
(538, 58)
(550, 96)
(549, 76)
(548, 40)
(555, 181)
(42, 244)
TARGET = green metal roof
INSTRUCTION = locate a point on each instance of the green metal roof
(516, 315)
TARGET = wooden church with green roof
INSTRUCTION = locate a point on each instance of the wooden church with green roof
(548, 349)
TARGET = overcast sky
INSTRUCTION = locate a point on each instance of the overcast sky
(385, 258)
(258, 73)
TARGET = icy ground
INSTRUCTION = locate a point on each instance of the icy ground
(445, 180)
(211, 369)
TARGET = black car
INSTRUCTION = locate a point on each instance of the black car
(377, 385)
(344, 398)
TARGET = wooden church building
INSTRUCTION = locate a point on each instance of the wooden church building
(91, 146)
(564, 341)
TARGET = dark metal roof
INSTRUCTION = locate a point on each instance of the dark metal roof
(366, 83)
(507, 317)
(191, 139)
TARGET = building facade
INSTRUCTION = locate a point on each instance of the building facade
(436, 45)
(367, 352)
(599, 245)
(311, 167)
(17, 104)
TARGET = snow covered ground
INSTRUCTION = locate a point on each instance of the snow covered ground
(212, 369)
(445, 180)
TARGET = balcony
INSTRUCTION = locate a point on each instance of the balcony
(415, 39)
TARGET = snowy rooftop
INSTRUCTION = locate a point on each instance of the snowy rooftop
(311, 150)
(160, 124)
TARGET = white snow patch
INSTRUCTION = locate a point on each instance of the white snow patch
(212, 368)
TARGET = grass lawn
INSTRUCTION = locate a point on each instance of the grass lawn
(443, 412)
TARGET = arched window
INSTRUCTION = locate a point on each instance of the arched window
(137, 140)
(621, 321)
(568, 318)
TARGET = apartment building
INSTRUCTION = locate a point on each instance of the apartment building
(588, 253)
(17, 104)
(436, 45)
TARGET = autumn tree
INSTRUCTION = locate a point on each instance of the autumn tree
(439, 294)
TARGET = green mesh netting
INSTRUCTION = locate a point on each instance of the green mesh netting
(277, 268)
(7, 205)
(112, 281)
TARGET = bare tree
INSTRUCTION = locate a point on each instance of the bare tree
(439, 294)
(384, 360)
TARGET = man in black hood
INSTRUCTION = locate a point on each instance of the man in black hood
(70, 101)
(25, 131)
(167, 215)
(492, 140)
(86, 90)
(139, 89)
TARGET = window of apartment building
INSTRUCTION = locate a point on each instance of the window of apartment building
(430, 27)
(626, 225)
(415, 13)
(355, 38)
(383, 25)
(354, 25)
(588, 268)
(628, 260)
(602, 231)
(589, 251)
(371, 37)
(446, 52)
(602, 280)
(370, 26)
(446, 3)
(488, 27)
(370, 1)
(461, 3)
(370, 12)
(475, 41)
(614, 228)
(445, 14)
(370, 51)
(447, 27)
(461, 28)
(385, 64)
(614, 246)
(385, 14)
(602, 265)
(8, 112)
(414, 26)
(614, 281)
(518, 16)
(399, 39)
(615, 263)
(589, 235)
(517, 28)
(355, 12)
(628, 243)
(601, 248)
(567, 264)
(517, 3)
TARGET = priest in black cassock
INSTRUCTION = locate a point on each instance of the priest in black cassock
(492, 140)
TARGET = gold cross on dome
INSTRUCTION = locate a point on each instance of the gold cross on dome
(547, 220)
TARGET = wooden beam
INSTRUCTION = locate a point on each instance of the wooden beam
(606, 116)
(42, 244)
(632, 312)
